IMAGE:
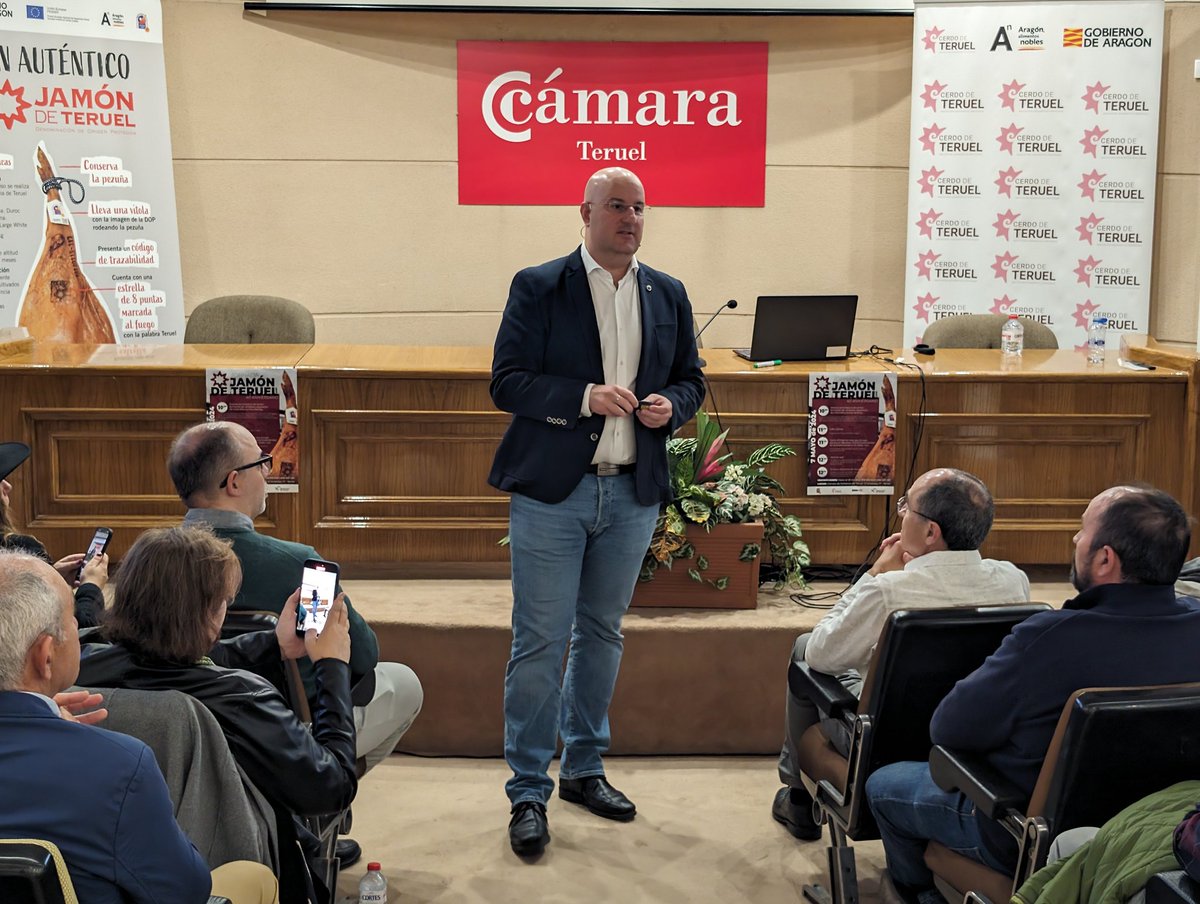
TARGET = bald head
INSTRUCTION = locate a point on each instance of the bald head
(602, 183)
(39, 643)
(613, 212)
(958, 502)
(206, 454)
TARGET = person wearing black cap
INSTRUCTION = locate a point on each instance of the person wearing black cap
(89, 595)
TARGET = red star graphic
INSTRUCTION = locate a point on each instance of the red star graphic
(1008, 134)
(1002, 304)
(1083, 315)
(928, 177)
(1008, 94)
(19, 105)
(1004, 222)
(924, 263)
(1082, 348)
(1085, 268)
(931, 94)
(925, 224)
(1002, 264)
(924, 306)
(1092, 95)
(1005, 179)
(929, 137)
(1088, 182)
(930, 38)
(1087, 226)
(1091, 139)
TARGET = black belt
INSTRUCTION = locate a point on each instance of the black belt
(607, 470)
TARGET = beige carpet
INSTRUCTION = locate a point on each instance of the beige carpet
(703, 833)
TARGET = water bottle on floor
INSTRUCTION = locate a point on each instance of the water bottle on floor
(1095, 340)
(1012, 337)
(373, 887)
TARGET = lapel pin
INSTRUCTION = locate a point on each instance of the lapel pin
(649, 288)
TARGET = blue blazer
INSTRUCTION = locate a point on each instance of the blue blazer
(547, 351)
(99, 796)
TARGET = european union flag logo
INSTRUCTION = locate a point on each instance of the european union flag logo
(35, 12)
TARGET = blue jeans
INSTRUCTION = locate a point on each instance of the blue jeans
(574, 566)
(911, 811)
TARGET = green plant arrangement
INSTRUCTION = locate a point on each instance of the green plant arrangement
(710, 488)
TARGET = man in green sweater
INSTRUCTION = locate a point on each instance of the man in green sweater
(220, 474)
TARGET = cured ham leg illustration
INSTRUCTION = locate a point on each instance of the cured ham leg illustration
(880, 462)
(285, 456)
(59, 304)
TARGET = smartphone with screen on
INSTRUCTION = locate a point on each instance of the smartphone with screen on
(96, 548)
(317, 588)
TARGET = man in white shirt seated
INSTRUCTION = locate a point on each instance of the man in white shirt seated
(932, 562)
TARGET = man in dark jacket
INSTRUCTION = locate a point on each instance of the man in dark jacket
(1125, 628)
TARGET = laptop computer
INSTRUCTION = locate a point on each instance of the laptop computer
(801, 328)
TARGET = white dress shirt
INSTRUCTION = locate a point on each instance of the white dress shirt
(846, 636)
(618, 316)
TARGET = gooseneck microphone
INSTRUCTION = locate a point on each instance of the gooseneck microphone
(731, 304)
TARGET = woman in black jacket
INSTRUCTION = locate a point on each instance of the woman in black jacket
(88, 583)
(161, 632)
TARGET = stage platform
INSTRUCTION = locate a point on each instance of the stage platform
(693, 681)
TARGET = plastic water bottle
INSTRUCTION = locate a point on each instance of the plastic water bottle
(372, 889)
(1095, 342)
(1012, 337)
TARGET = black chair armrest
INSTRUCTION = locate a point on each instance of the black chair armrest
(991, 792)
(1175, 887)
(825, 691)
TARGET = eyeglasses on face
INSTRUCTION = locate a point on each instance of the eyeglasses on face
(264, 463)
(902, 508)
(620, 208)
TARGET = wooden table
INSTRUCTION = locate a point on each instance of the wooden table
(397, 443)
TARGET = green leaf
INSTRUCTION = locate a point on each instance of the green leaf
(702, 563)
(695, 510)
(768, 453)
(721, 583)
(695, 576)
(749, 552)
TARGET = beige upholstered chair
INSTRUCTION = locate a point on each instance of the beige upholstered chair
(250, 319)
(983, 331)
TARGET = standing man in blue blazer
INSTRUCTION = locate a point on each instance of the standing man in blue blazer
(596, 361)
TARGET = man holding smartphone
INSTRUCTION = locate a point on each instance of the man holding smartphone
(585, 461)
(220, 474)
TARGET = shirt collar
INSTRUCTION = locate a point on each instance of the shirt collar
(1133, 599)
(944, 557)
(590, 266)
(50, 703)
(221, 519)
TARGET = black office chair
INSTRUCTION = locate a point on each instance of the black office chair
(919, 657)
(1175, 887)
(32, 871)
(1112, 747)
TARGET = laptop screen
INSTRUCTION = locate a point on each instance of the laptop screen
(803, 327)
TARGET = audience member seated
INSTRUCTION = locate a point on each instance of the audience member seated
(1112, 863)
(1186, 843)
(932, 562)
(217, 473)
(1126, 628)
(161, 632)
(89, 584)
(96, 794)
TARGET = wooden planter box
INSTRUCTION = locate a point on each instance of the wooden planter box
(721, 546)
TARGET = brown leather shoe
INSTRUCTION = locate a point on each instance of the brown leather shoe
(528, 830)
(601, 798)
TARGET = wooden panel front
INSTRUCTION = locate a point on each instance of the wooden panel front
(398, 443)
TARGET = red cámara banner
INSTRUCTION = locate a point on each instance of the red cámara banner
(535, 119)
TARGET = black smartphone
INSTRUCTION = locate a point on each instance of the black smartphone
(317, 587)
(96, 548)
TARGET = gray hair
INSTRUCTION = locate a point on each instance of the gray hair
(962, 507)
(29, 608)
